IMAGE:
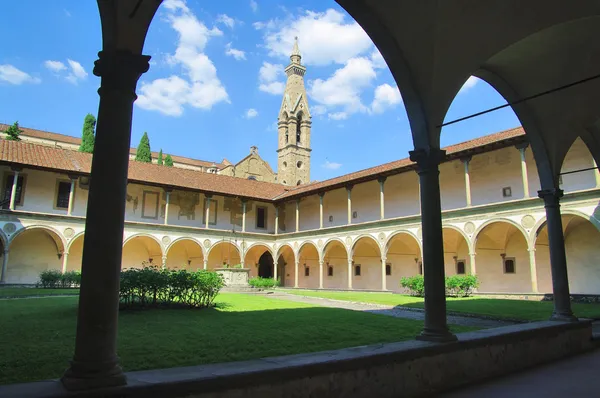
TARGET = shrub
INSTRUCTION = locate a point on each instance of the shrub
(153, 287)
(265, 283)
(414, 284)
(50, 279)
(461, 285)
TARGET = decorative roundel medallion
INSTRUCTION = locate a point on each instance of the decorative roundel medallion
(348, 241)
(166, 240)
(381, 236)
(9, 228)
(69, 232)
(528, 221)
(207, 243)
(469, 227)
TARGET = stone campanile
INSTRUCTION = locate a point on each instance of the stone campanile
(293, 127)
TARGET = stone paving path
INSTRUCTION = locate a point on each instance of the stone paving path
(389, 310)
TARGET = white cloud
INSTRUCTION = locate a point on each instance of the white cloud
(385, 97)
(331, 165)
(12, 75)
(343, 88)
(55, 66)
(325, 37)
(377, 59)
(201, 88)
(470, 83)
(234, 52)
(250, 113)
(338, 116)
(226, 20)
(77, 72)
(318, 109)
(253, 5)
(268, 76)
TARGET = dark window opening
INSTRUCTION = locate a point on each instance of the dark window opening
(509, 266)
(460, 267)
(62, 196)
(388, 269)
(8, 189)
(261, 217)
(506, 192)
(330, 271)
(306, 271)
(357, 270)
(298, 131)
(252, 178)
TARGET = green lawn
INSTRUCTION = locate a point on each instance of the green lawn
(37, 335)
(477, 305)
(34, 291)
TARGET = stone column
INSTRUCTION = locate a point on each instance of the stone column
(207, 214)
(321, 198)
(381, 198)
(276, 219)
(297, 215)
(95, 363)
(350, 264)
(558, 256)
(13, 191)
(472, 263)
(168, 201)
(275, 276)
(205, 264)
(4, 266)
(65, 261)
(320, 274)
(296, 263)
(244, 215)
(164, 262)
(597, 174)
(466, 162)
(383, 275)
(349, 192)
(533, 270)
(436, 328)
(71, 195)
(522, 147)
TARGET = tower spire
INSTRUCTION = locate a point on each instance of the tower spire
(295, 57)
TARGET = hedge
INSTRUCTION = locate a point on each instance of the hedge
(265, 283)
(54, 279)
(456, 285)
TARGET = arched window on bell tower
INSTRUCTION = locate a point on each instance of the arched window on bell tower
(287, 136)
(298, 131)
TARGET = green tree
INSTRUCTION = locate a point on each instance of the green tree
(160, 158)
(87, 137)
(13, 132)
(169, 161)
(143, 153)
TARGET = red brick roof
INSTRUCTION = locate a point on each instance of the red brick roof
(67, 139)
(69, 161)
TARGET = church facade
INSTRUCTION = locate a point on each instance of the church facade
(357, 231)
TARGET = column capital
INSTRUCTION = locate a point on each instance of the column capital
(208, 196)
(349, 188)
(321, 195)
(321, 262)
(381, 180)
(297, 201)
(427, 160)
(383, 259)
(466, 159)
(73, 177)
(120, 70)
(244, 200)
(551, 196)
(521, 146)
(168, 190)
(16, 169)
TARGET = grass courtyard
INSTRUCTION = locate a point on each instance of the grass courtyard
(476, 305)
(37, 334)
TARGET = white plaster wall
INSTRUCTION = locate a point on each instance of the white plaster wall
(309, 213)
(542, 266)
(308, 256)
(583, 259)
(39, 191)
(183, 251)
(365, 201)
(401, 255)
(461, 253)
(32, 252)
(224, 252)
(452, 185)
(140, 250)
(335, 204)
(492, 171)
(75, 254)
(337, 258)
(578, 158)
(401, 193)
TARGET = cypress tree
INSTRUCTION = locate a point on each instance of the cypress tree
(160, 158)
(13, 132)
(169, 161)
(87, 137)
(143, 153)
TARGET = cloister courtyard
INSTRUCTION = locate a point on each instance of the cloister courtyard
(39, 326)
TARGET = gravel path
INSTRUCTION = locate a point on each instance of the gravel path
(389, 310)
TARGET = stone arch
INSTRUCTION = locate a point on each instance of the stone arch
(75, 250)
(335, 264)
(223, 252)
(457, 247)
(581, 241)
(34, 249)
(308, 264)
(362, 237)
(462, 233)
(498, 242)
(404, 254)
(185, 253)
(366, 254)
(285, 259)
(253, 255)
(284, 246)
(140, 249)
(578, 157)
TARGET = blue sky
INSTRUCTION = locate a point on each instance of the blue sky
(215, 82)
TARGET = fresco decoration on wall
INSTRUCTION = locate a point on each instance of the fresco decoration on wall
(187, 202)
(131, 199)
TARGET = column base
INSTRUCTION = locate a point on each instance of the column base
(434, 336)
(563, 317)
(88, 376)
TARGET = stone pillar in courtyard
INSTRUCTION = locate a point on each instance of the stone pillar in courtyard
(320, 274)
(4, 266)
(95, 363)
(383, 274)
(436, 327)
(558, 257)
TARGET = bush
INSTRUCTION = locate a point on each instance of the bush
(54, 279)
(265, 283)
(456, 285)
(153, 287)
(414, 284)
(461, 285)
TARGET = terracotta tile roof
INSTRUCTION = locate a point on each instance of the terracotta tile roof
(397, 166)
(67, 139)
(68, 161)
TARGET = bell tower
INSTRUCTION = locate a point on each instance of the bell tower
(293, 127)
